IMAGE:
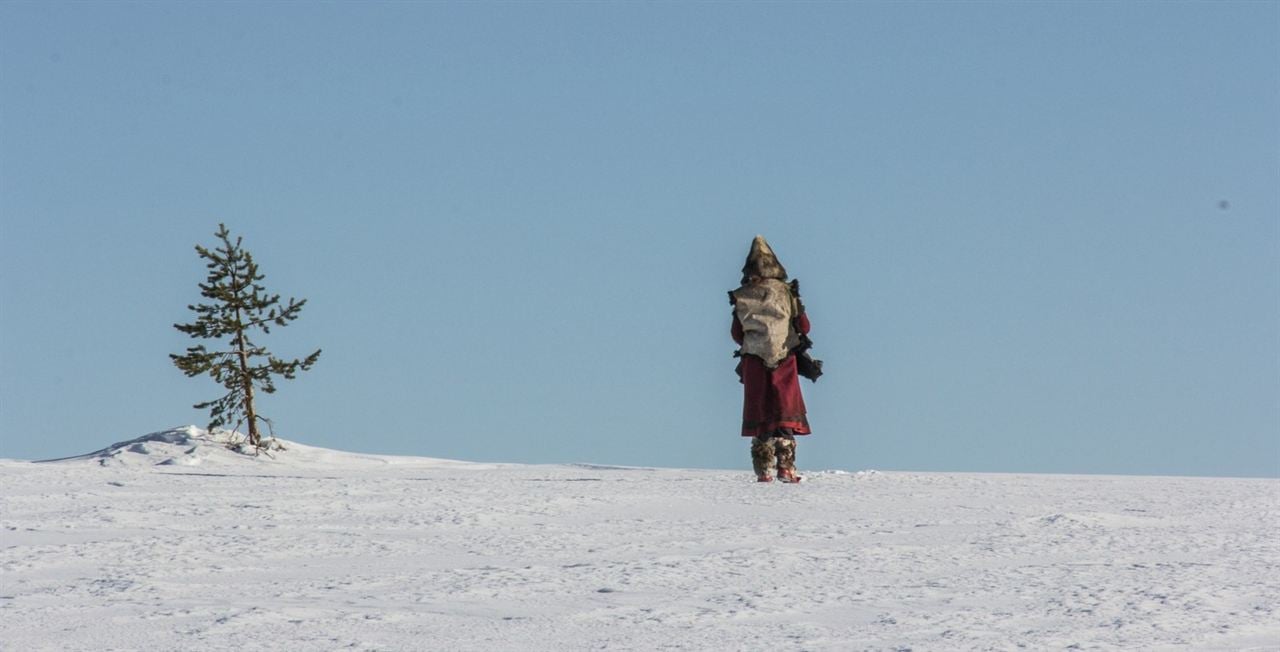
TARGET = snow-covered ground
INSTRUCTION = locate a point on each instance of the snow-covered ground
(172, 542)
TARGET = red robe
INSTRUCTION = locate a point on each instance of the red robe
(771, 399)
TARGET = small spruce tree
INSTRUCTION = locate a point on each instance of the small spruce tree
(238, 306)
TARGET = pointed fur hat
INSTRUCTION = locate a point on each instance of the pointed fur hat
(762, 262)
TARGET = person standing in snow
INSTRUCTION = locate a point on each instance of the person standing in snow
(768, 324)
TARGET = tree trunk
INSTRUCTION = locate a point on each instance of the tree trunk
(241, 345)
(250, 414)
(254, 438)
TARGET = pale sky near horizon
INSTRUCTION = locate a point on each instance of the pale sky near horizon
(1033, 237)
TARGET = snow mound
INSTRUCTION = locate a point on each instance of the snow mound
(188, 446)
(191, 447)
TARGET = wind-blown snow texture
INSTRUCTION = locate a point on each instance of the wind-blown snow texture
(173, 542)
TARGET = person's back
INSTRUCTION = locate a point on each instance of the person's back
(764, 308)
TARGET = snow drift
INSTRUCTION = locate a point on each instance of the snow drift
(190, 446)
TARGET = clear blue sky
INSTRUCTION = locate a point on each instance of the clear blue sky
(1033, 237)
